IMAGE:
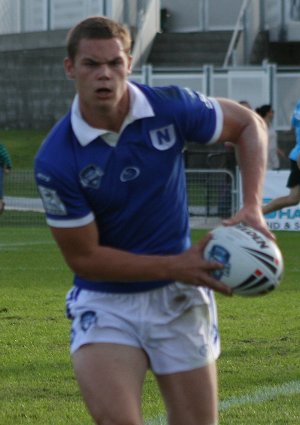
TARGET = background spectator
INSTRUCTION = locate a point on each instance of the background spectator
(5, 167)
(293, 183)
(267, 113)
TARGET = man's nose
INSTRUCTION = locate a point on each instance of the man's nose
(103, 71)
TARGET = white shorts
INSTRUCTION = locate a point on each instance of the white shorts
(175, 325)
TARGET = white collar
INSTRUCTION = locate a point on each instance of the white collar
(139, 108)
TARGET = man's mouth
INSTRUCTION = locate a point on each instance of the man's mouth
(103, 91)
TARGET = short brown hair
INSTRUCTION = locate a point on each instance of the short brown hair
(97, 27)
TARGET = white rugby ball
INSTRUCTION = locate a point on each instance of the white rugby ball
(253, 263)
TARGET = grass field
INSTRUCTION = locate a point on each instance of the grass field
(259, 369)
(22, 146)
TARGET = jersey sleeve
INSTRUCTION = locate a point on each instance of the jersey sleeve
(64, 203)
(202, 117)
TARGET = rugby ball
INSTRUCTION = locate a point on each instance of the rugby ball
(253, 263)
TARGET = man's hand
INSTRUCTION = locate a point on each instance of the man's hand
(253, 217)
(193, 269)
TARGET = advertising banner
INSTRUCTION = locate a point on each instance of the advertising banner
(274, 187)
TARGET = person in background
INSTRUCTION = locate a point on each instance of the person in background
(293, 182)
(245, 103)
(267, 113)
(112, 180)
(230, 163)
(5, 167)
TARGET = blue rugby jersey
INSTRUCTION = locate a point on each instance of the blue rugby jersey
(135, 190)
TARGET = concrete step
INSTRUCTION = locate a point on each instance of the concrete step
(186, 58)
(189, 49)
(285, 53)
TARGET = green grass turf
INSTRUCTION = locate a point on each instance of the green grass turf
(22, 145)
(259, 369)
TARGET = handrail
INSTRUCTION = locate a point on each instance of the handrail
(235, 32)
(148, 27)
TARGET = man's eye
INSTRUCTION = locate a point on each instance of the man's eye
(90, 63)
(116, 63)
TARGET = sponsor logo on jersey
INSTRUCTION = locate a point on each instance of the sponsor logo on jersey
(163, 138)
(91, 176)
(43, 177)
(190, 92)
(201, 96)
(129, 173)
(51, 201)
(205, 100)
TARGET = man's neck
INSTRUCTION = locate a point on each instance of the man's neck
(110, 119)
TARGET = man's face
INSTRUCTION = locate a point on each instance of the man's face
(100, 70)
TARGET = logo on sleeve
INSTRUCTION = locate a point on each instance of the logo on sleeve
(205, 100)
(201, 96)
(51, 201)
(91, 176)
(43, 177)
(163, 138)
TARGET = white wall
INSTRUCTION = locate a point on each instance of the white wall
(197, 15)
(10, 17)
(41, 15)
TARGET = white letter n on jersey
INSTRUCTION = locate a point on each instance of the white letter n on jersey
(163, 138)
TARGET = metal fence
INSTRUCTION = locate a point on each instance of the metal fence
(22, 203)
(35, 92)
(212, 193)
(266, 84)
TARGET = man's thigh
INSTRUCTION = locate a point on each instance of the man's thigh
(111, 377)
(191, 397)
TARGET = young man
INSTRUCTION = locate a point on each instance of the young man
(274, 152)
(112, 181)
(293, 182)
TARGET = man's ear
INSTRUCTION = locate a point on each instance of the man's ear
(69, 68)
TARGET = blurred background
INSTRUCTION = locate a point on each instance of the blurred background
(240, 49)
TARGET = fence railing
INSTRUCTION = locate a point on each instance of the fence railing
(23, 205)
(266, 84)
(212, 194)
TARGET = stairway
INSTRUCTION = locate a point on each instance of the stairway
(285, 53)
(282, 53)
(189, 49)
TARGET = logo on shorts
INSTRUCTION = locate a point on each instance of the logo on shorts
(215, 334)
(72, 336)
(87, 319)
(204, 351)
